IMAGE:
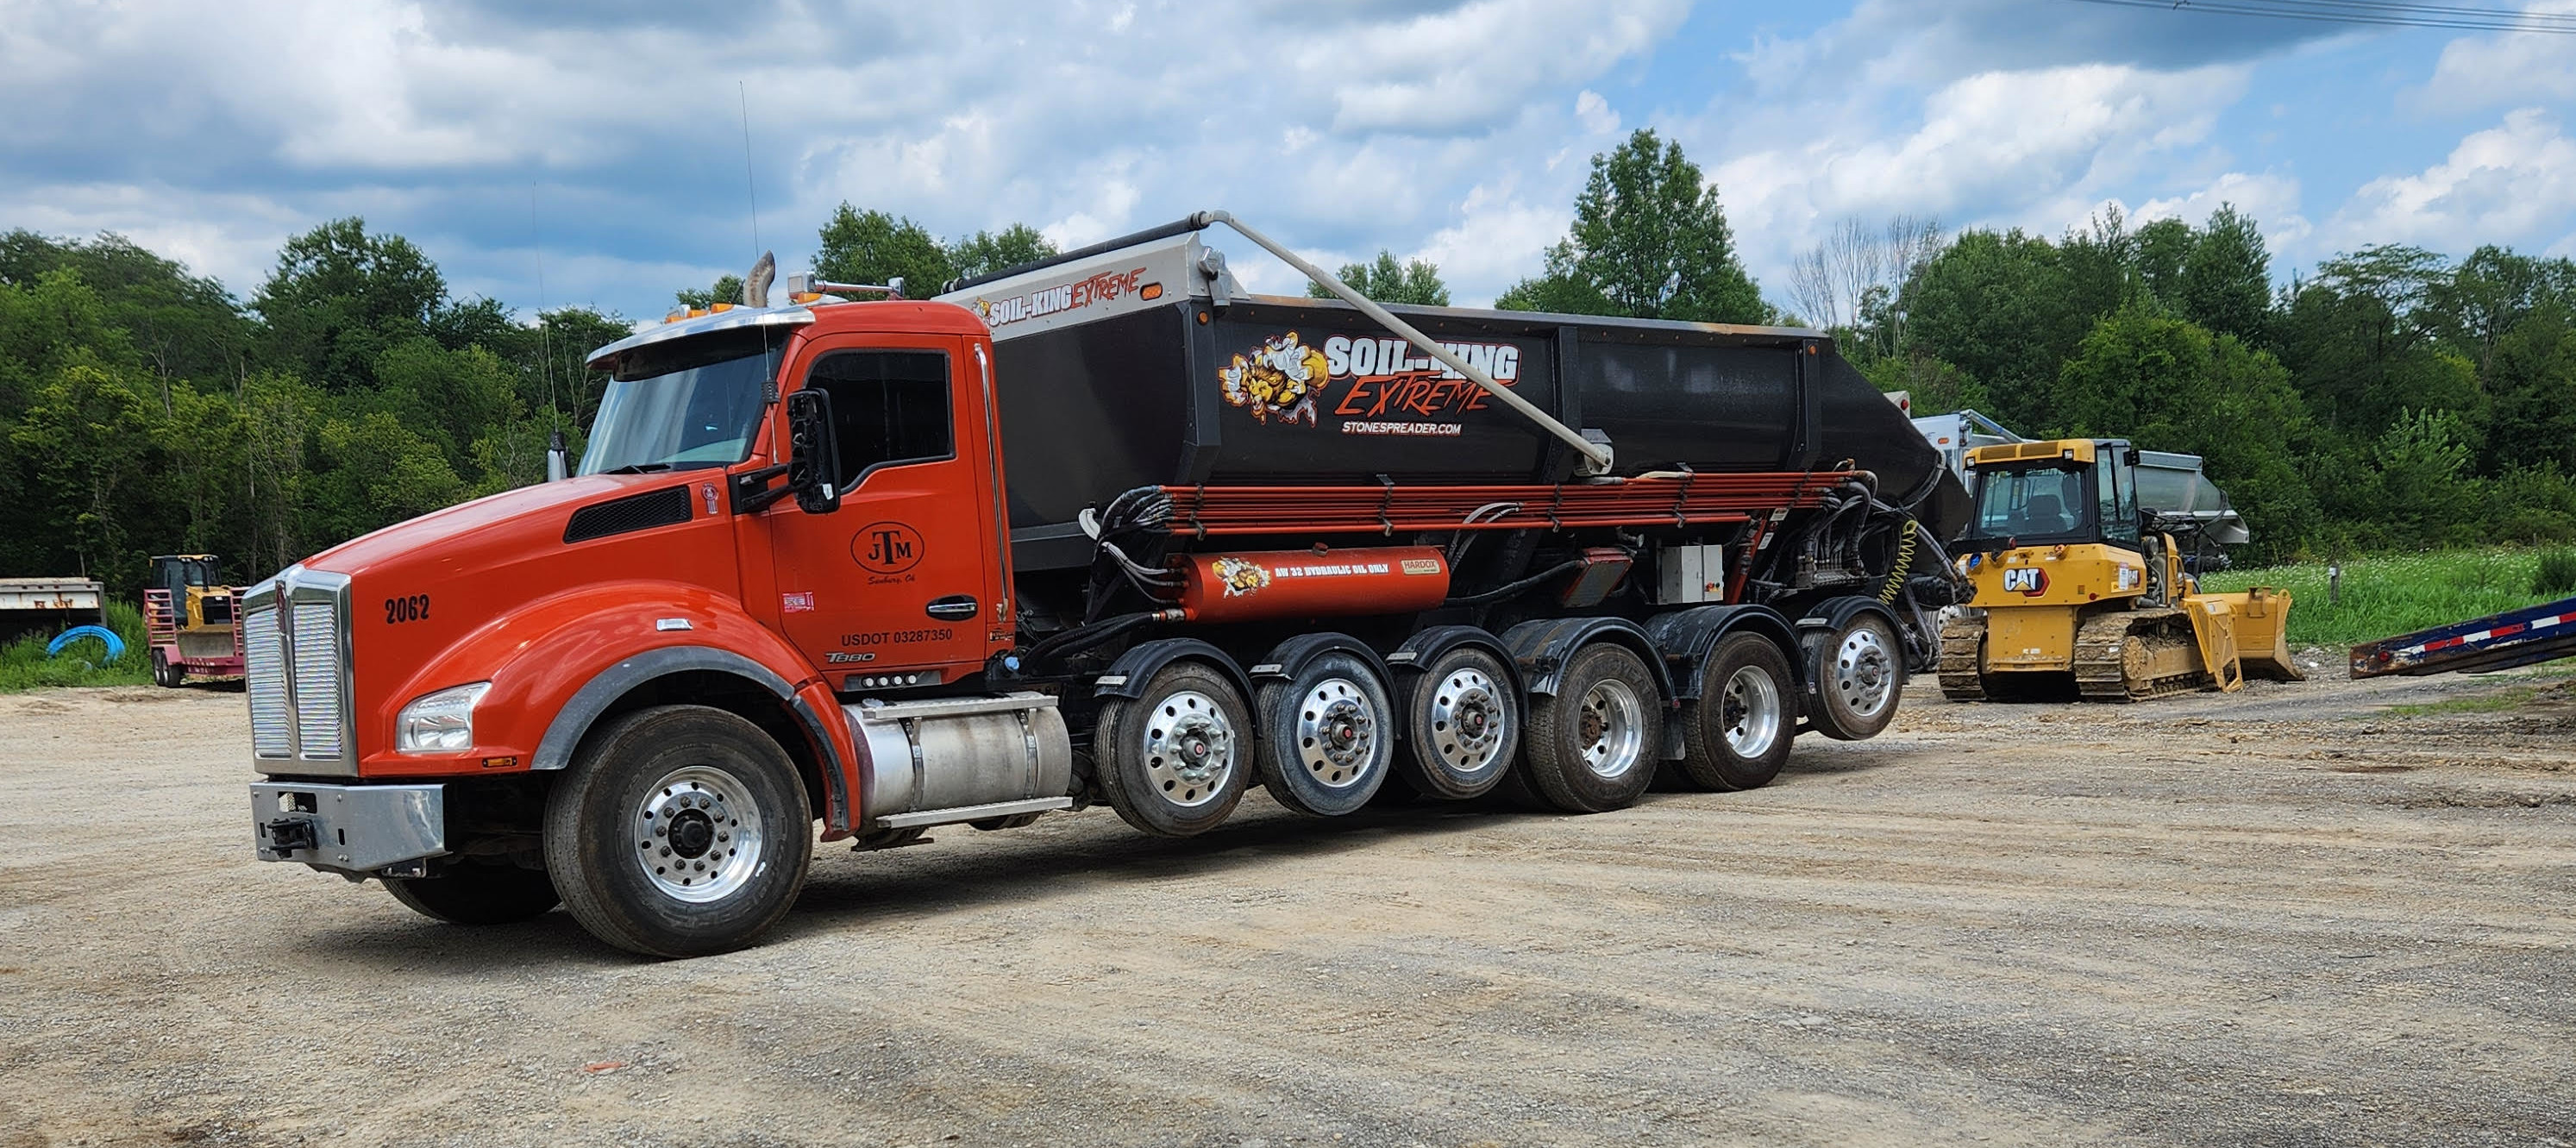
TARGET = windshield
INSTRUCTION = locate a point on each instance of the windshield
(2035, 503)
(694, 404)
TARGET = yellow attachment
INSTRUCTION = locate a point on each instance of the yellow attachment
(2213, 625)
(2075, 449)
(2261, 618)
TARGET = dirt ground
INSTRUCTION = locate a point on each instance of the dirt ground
(2330, 913)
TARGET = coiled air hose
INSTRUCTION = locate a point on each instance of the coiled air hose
(1904, 562)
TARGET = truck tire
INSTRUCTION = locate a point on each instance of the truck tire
(1736, 735)
(1175, 759)
(474, 893)
(164, 674)
(1327, 736)
(1858, 672)
(1462, 729)
(679, 831)
(1592, 746)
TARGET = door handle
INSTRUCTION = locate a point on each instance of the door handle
(953, 608)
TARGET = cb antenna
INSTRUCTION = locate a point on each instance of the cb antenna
(749, 193)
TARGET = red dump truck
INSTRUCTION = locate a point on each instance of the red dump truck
(1104, 529)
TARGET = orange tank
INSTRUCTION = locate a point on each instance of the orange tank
(1255, 585)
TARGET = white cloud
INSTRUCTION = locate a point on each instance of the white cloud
(1493, 242)
(1354, 126)
(2034, 148)
(2515, 179)
(2505, 68)
(2271, 200)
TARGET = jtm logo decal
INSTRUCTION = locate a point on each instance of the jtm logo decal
(886, 547)
(2029, 580)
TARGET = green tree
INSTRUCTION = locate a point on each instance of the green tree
(1650, 240)
(2161, 249)
(986, 252)
(340, 296)
(2167, 384)
(90, 433)
(1996, 306)
(874, 247)
(182, 326)
(1384, 280)
(726, 289)
(2226, 283)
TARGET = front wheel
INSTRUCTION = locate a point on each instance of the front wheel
(1592, 745)
(473, 893)
(679, 831)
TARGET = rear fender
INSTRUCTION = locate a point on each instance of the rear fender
(1126, 677)
(1414, 658)
(1289, 658)
(1684, 638)
(1828, 618)
(1539, 649)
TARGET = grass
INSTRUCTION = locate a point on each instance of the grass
(2393, 595)
(2496, 702)
(24, 666)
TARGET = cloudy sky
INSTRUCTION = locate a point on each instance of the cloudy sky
(601, 143)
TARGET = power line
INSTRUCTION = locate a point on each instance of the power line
(2367, 12)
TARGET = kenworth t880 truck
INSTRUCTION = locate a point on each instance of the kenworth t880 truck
(1103, 529)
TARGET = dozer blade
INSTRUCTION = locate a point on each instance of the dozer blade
(2261, 618)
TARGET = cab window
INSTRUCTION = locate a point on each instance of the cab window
(888, 408)
(2119, 501)
(2032, 503)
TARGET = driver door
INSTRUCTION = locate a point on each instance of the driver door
(893, 589)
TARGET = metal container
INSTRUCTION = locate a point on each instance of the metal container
(1317, 583)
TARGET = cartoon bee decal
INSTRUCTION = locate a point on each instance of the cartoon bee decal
(1241, 576)
(1282, 378)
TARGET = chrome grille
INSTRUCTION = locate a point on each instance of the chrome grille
(264, 667)
(316, 665)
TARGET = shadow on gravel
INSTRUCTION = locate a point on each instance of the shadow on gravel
(919, 882)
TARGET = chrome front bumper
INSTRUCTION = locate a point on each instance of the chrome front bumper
(360, 830)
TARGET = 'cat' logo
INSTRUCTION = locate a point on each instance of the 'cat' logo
(2029, 580)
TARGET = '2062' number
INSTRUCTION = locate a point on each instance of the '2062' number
(414, 608)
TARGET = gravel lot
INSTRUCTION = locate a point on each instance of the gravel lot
(2291, 916)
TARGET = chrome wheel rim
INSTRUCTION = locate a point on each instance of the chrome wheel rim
(1612, 728)
(697, 834)
(1337, 733)
(1468, 721)
(1865, 672)
(1189, 749)
(1751, 710)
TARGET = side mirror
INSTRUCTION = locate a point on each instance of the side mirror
(813, 455)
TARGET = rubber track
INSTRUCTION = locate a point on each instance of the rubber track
(1961, 640)
(2100, 672)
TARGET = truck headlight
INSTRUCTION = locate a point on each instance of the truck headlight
(439, 722)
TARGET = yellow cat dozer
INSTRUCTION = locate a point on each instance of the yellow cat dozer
(2078, 590)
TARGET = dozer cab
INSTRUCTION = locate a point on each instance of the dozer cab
(2079, 589)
